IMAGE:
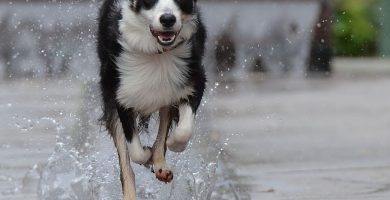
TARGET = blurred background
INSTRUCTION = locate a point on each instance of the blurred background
(297, 104)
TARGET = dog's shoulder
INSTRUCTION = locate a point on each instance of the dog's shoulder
(108, 30)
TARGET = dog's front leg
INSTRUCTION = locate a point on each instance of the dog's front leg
(179, 138)
(128, 145)
(138, 154)
(126, 172)
(163, 173)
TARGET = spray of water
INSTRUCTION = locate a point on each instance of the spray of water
(84, 164)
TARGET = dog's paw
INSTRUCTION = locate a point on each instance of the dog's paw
(163, 174)
(178, 141)
(176, 146)
(148, 164)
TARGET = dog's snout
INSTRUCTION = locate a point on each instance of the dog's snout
(167, 20)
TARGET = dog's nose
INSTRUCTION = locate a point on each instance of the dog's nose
(167, 20)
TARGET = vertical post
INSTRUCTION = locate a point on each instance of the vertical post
(321, 49)
(385, 23)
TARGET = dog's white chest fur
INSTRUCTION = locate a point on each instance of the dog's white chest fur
(148, 82)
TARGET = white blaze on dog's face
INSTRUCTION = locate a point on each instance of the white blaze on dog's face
(168, 20)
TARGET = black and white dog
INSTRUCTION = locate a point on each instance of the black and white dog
(151, 60)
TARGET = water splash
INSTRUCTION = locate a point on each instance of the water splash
(84, 164)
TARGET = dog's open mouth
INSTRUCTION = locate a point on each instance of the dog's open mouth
(165, 38)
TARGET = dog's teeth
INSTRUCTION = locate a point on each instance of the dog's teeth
(173, 38)
(164, 40)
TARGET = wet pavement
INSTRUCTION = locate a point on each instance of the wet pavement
(287, 138)
(30, 112)
(326, 138)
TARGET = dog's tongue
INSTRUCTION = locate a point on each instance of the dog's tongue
(167, 35)
(165, 38)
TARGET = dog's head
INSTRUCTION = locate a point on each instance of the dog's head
(167, 20)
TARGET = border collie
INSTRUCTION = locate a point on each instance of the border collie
(151, 61)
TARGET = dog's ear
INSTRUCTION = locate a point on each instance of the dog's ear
(135, 5)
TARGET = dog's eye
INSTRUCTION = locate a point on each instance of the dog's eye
(149, 3)
(186, 5)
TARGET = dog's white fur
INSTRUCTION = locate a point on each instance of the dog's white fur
(150, 80)
(138, 153)
(178, 140)
(135, 28)
(127, 172)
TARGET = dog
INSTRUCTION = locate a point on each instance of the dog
(150, 53)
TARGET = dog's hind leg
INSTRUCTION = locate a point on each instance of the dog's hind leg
(126, 172)
(179, 138)
(163, 173)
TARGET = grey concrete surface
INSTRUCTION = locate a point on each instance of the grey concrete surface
(29, 113)
(312, 139)
(288, 138)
